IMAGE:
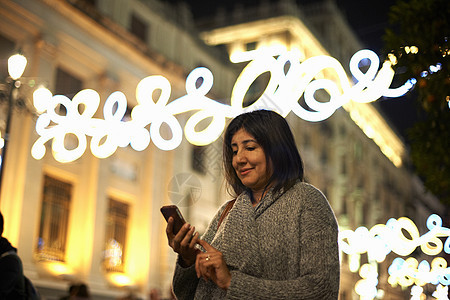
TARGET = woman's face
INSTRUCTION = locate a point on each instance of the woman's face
(249, 161)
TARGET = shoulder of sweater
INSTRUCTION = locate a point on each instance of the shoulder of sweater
(307, 196)
(307, 188)
(219, 212)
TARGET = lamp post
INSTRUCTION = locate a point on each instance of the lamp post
(16, 67)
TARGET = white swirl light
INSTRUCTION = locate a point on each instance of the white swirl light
(282, 94)
(408, 272)
(381, 239)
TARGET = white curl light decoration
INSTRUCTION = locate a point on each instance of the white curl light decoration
(282, 95)
(399, 236)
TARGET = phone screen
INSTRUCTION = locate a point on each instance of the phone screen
(174, 212)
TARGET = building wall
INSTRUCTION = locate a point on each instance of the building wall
(56, 34)
(94, 43)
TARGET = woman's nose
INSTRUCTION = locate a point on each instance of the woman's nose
(240, 157)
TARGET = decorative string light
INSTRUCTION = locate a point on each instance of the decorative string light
(401, 237)
(282, 94)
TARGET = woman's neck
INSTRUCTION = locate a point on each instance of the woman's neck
(257, 196)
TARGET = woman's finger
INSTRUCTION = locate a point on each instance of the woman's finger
(169, 229)
(177, 239)
(185, 242)
(194, 240)
(200, 267)
(206, 246)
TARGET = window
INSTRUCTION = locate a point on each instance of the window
(358, 151)
(324, 156)
(138, 27)
(250, 46)
(344, 164)
(205, 160)
(116, 233)
(306, 139)
(366, 212)
(6, 50)
(54, 219)
(68, 85)
(198, 159)
(344, 206)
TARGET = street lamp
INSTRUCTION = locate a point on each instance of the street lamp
(16, 67)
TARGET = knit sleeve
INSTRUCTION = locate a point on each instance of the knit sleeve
(318, 259)
(185, 280)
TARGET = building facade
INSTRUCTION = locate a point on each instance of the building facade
(97, 220)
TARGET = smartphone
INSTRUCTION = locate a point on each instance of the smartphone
(174, 212)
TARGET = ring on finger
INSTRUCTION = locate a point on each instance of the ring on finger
(207, 258)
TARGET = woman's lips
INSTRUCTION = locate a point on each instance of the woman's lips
(245, 172)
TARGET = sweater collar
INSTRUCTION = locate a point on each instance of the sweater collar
(269, 198)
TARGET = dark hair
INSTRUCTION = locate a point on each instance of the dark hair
(1, 224)
(272, 132)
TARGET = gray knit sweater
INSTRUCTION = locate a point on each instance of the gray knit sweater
(285, 248)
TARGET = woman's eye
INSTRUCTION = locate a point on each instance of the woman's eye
(250, 148)
(234, 152)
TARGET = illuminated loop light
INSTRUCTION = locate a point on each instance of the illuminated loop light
(441, 293)
(400, 91)
(195, 99)
(310, 69)
(381, 239)
(401, 244)
(410, 271)
(417, 293)
(402, 237)
(73, 123)
(262, 64)
(370, 86)
(374, 242)
(157, 114)
(282, 94)
(114, 132)
(367, 287)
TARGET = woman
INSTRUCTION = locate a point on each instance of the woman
(278, 241)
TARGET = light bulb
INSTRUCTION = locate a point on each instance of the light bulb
(16, 65)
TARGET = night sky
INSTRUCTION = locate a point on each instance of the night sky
(369, 20)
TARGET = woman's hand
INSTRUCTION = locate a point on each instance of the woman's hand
(211, 265)
(183, 242)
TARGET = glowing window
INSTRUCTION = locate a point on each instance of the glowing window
(54, 219)
(116, 233)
